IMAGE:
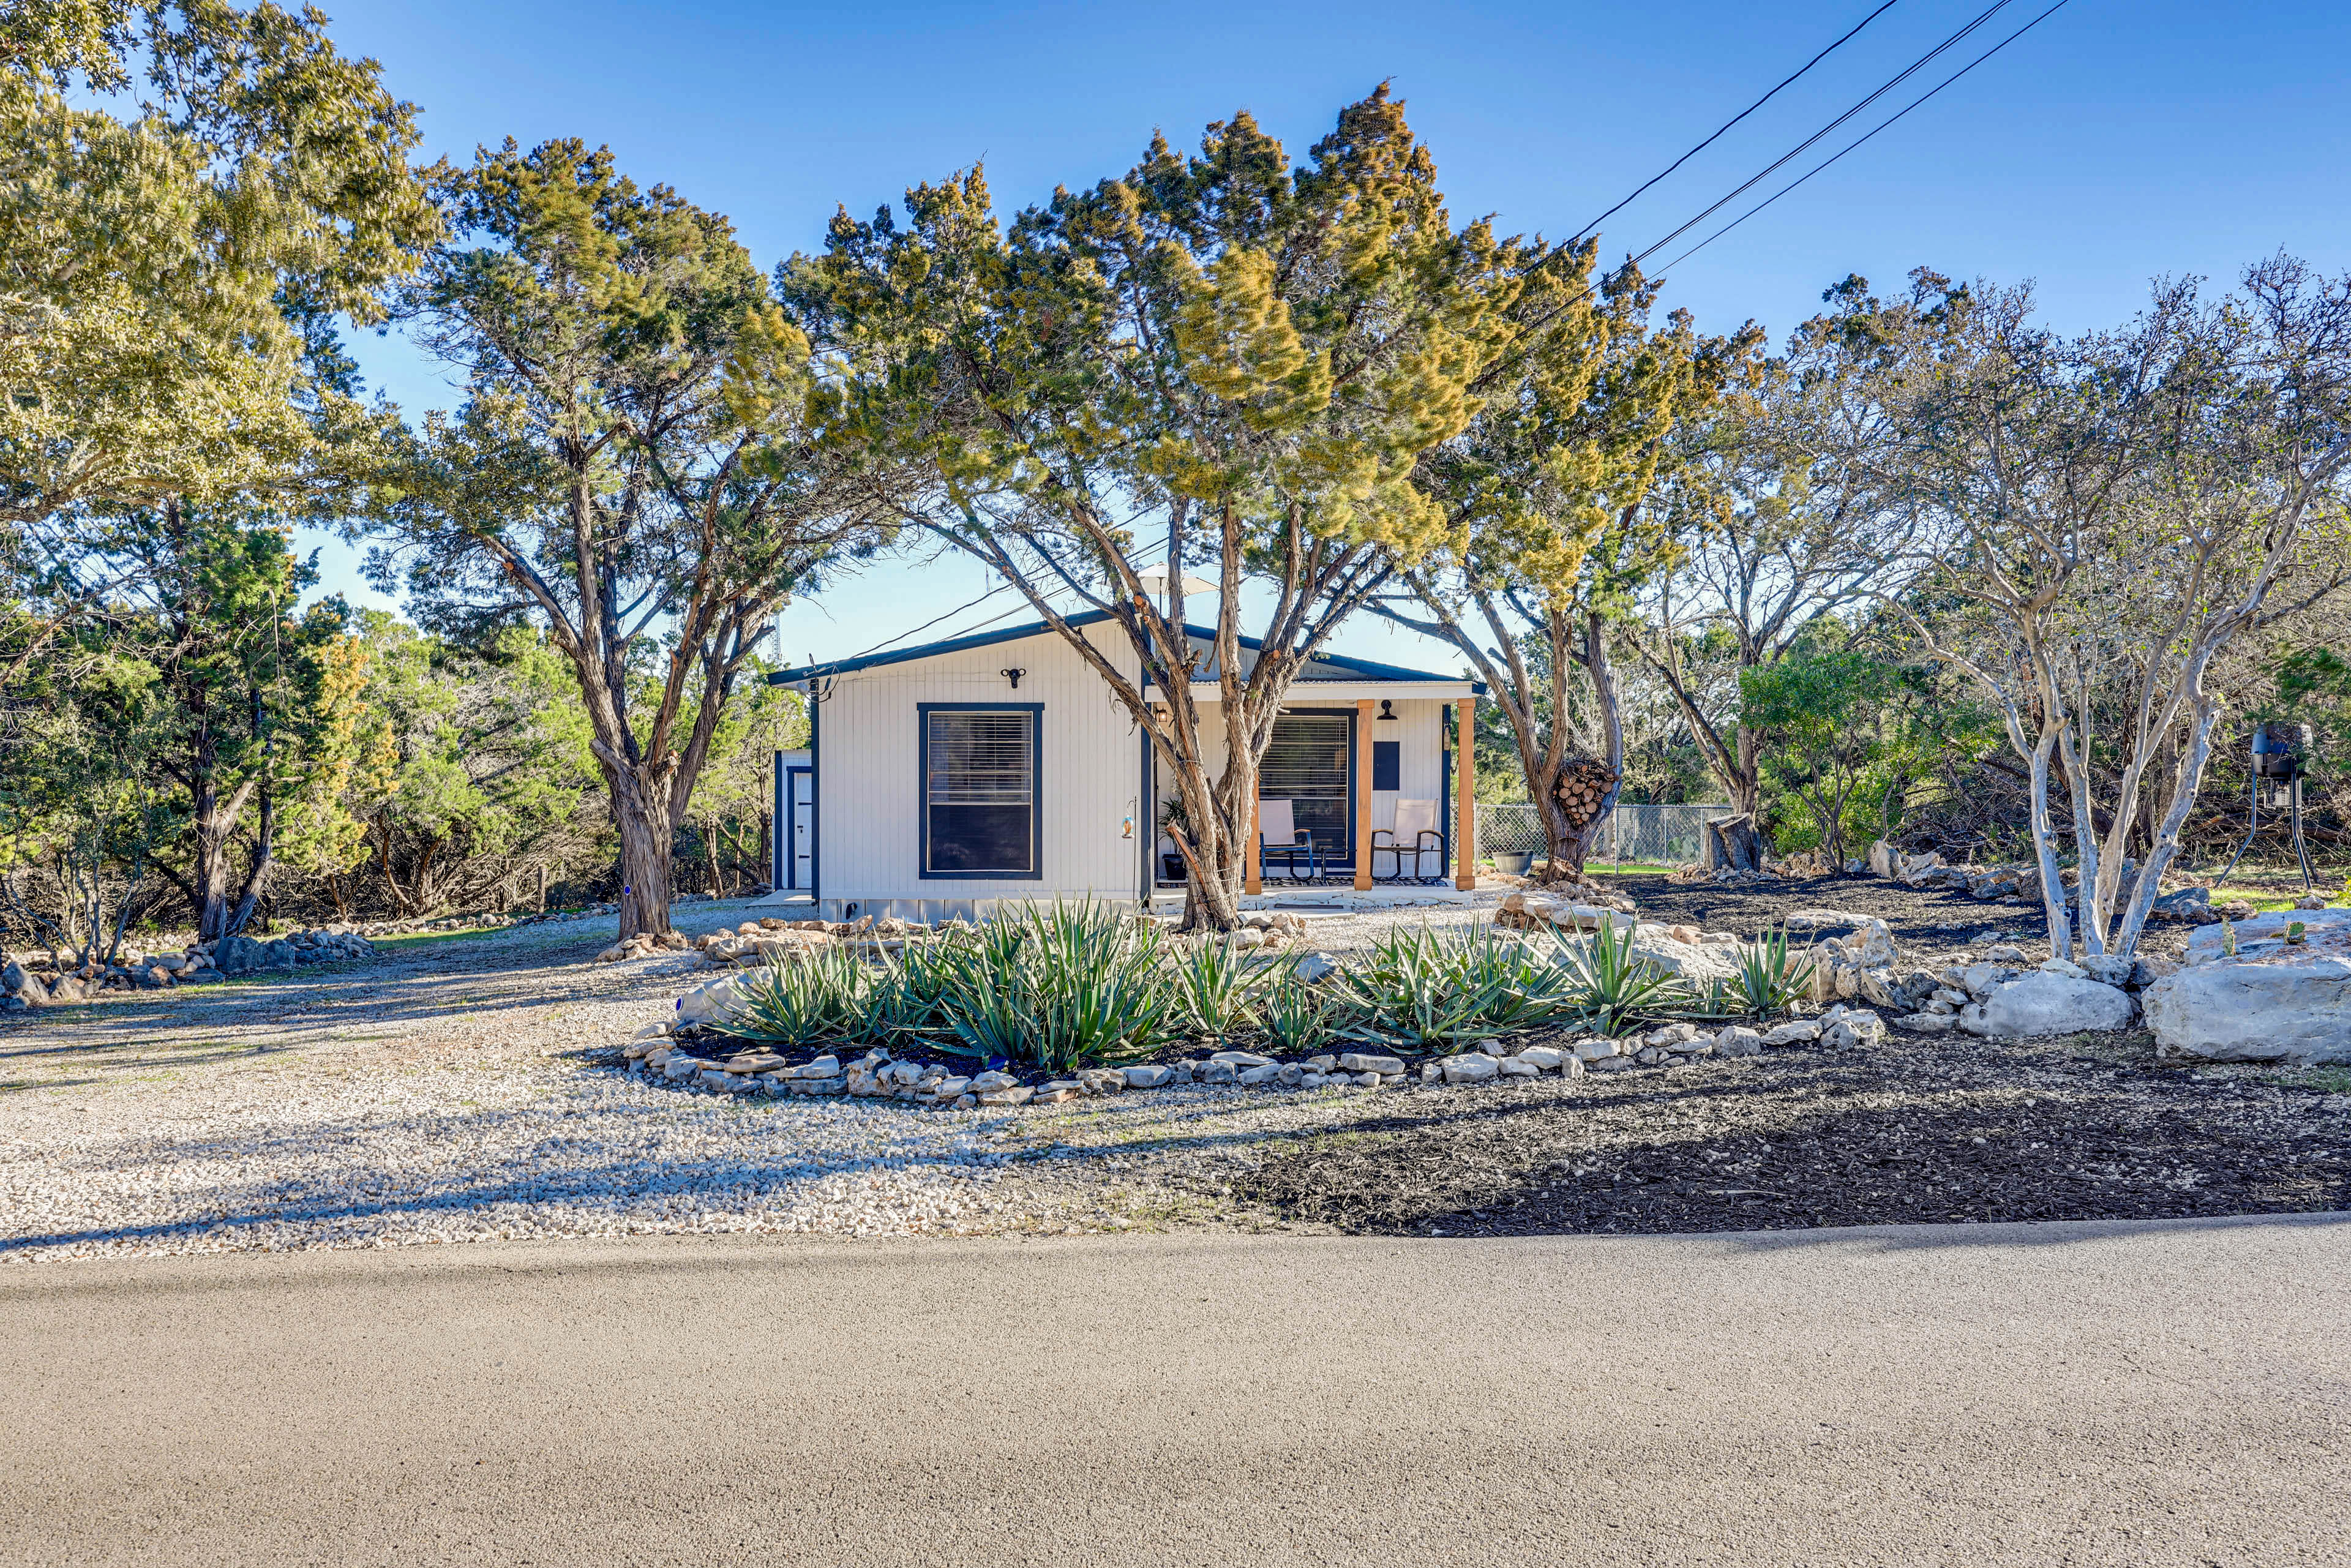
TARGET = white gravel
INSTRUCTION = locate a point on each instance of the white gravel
(431, 1098)
(439, 1094)
(278, 1161)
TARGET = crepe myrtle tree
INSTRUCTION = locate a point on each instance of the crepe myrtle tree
(2111, 512)
(642, 464)
(1549, 488)
(1217, 360)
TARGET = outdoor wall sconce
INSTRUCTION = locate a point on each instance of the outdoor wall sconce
(1386, 714)
(1013, 676)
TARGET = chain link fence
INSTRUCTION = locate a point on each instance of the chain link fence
(1632, 833)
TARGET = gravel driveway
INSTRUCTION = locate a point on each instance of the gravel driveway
(434, 1095)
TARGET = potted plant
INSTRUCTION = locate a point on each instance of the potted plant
(1170, 817)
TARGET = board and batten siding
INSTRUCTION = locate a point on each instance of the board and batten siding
(869, 784)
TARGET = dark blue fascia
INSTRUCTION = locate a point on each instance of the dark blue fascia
(1368, 668)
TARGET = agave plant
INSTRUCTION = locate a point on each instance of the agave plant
(804, 999)
(1770, 977)
(1217, 986)
(909, 999)
(1063, 988)
(1615, 988)
(1424, 991)
(1297, 1018)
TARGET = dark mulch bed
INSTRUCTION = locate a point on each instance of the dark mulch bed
(1922, 919)
(1909, 1132)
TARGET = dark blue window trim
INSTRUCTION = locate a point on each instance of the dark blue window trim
(1036, 712)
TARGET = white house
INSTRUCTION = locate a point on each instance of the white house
(943, 779)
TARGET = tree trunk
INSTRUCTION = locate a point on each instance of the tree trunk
(215, 826)
(1733, 843)
(647, 832)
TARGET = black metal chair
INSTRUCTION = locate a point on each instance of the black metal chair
(1279, 838)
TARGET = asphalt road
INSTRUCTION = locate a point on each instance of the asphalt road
(2142, 1393)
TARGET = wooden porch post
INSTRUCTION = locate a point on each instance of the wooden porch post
(1363, 794)
(1465, 778)
(1252, 867)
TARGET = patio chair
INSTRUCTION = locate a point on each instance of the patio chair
(1416, 834)
(1279, 838)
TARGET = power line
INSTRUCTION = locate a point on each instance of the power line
(949, 616)
(1822, 134)
(1734, 119)
(1864, 137)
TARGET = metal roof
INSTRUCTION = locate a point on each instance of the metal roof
(1322, 667)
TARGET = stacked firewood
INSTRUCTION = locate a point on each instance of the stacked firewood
(1580, 789)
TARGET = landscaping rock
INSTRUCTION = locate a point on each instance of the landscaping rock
(1737, 1040)
(1358, 1062)
(2265, 933)
(2047, 1003)
(2274, 1001)
(1148, 1077)
(2108, 969)
(1312, 968)
(1471, 1067)
(1852, 1030)
(1242, 1058)
(2192, 905)
(1543, 1057)
(1596, 1049)
(1802, 1032)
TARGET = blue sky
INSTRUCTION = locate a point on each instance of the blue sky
(2117, 141)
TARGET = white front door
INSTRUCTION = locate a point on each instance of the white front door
(801, 795)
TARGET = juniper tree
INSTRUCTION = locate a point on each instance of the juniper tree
(1219, 360)
(641, 462)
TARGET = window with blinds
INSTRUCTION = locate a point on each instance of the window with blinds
(1309, 762)
(979, 791)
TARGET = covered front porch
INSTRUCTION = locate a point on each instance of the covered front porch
(1367, 786)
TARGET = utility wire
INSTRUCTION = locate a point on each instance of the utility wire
(1822, 134)
(949, 616)
(1734, 119)
(1864, 137)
